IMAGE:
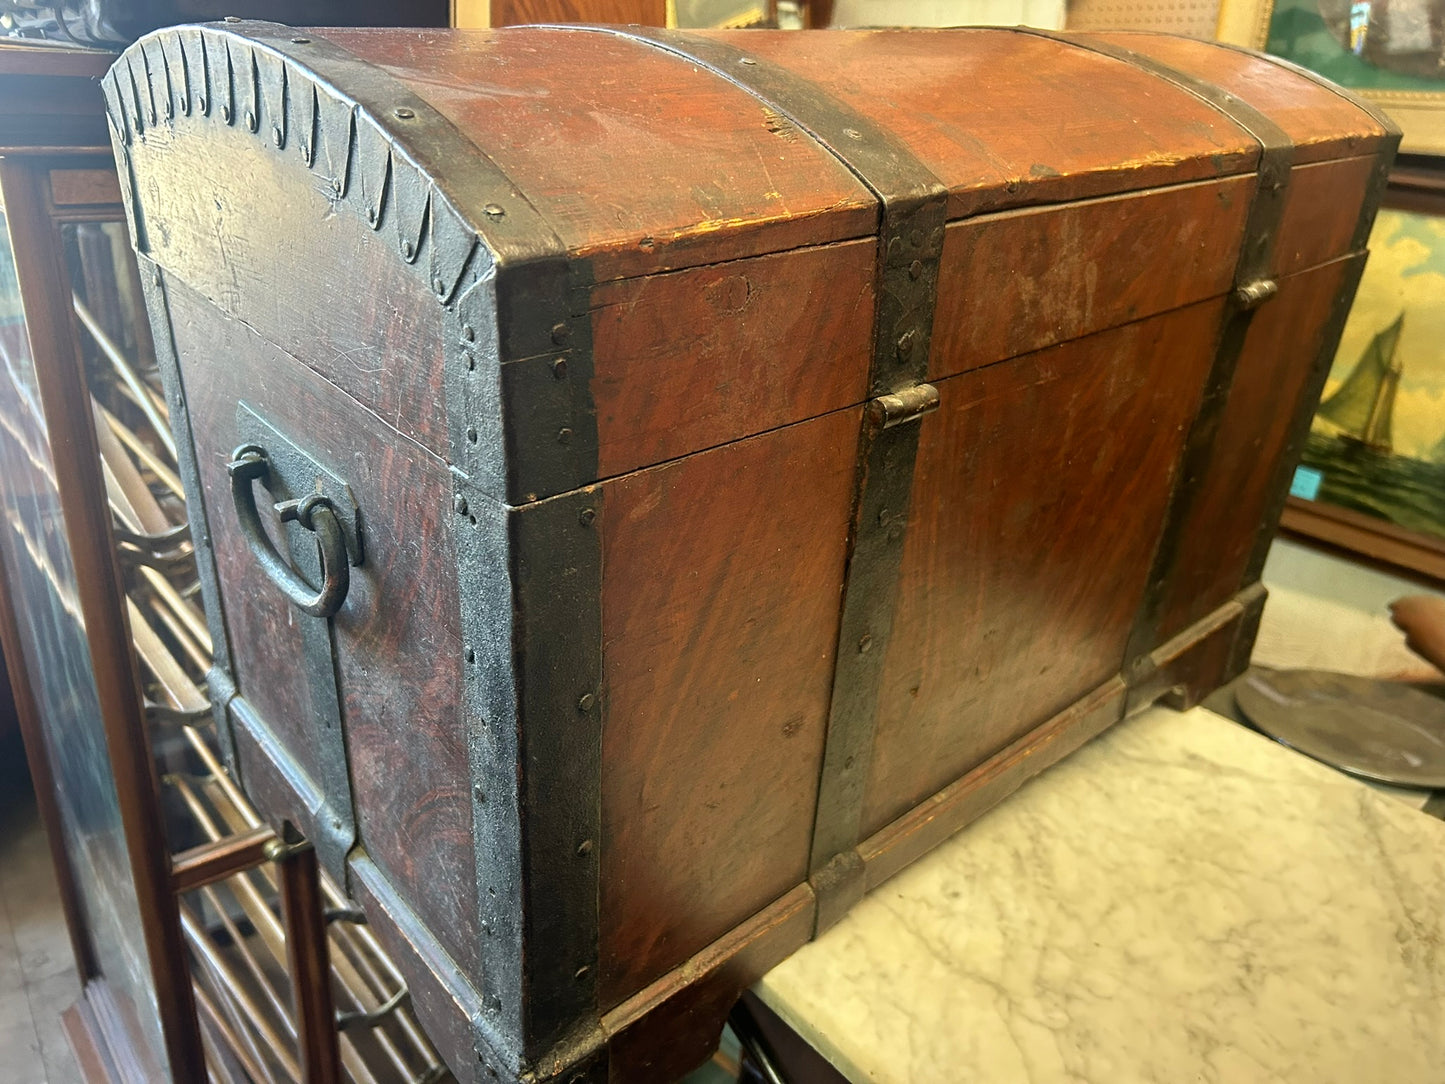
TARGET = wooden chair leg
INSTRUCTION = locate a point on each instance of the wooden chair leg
(309, 963)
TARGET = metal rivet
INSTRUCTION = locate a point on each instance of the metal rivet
(300, 41)
(585, 847)
(306, 152)
(402, 113)
(233, 18)
(226, 112)
(408, 251)
(251, 121)
(895, 247)
(560, 333)
(915, 270)
(559, 369)
(478, 793)
(916, 238)
(493, 210)
(156, 274)
(170, 111)
(202, 102)
(906, 341)
(864, 644)
(468, 335)
(372, 214)
(747, 60)
(494, 1003)
(439, 287)
(586, 516)
(278, 137)
(472, 436)
(459, 503)
(852, 133)
(469, 655)
(582, 972)
(564, 435)
(471, 361)
(336, 185)
(587, 701)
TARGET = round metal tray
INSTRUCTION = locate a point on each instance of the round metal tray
(1379, 730)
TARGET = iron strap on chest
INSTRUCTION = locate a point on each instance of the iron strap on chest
(912, 212)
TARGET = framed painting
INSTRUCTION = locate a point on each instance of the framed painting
(1371, 477)
(1390, 51)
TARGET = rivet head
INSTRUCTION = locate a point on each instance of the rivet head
(747, 60)
(459, 503)
(170, 111)
(582, 972)
(559, 369)
(494, 210)
(585, 847)
(403, 113)
(586, 702)
(408, 251)
(233, 18)
(226, 112)
(439, 287)
(478, 793)
(156, 274)
(306, 152)
(560, 333)
(468, 335)
(915, 238)
(372, 214)
(865, 643)
(472, 436)
(471, 361)
(278, 137)
(586, 516)
(336, 185)
(564, 435)
(469, 654)
(300, 41)
(251, 119)
(895, 246)
(915, 270)
(202, 103)
(852, 133)
(906, 341)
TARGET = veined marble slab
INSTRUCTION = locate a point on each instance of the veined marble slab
(1180, 900)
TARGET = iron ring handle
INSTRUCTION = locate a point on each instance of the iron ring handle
(316, 513)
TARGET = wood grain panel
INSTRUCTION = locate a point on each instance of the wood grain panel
(397, 636)
(722, 578)
(646, 163)
(1320, 122)
(1273, 371)
(1005, 119)
(1321, 207)
(692, 359)
(1022, 280)
(263, 241)
(1039, 491)
(519, 12)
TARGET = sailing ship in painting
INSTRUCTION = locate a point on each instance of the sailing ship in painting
(1352, 444)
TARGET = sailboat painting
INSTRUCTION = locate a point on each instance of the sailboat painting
(1377, 443)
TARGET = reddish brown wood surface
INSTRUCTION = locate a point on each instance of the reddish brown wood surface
(1022, 280)
(1321, 207)
(692, 359)
(1320, 122)
(666, 164)
(1004, 118)
(519, 12)
(398, 641)
(1037, 500)
(722, 576)
(1225, 518)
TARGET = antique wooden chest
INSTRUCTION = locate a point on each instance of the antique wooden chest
(655, 486)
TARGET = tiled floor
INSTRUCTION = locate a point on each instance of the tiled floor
(37, 970)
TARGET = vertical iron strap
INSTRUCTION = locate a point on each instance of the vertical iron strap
(1252, 286)
(912, 213)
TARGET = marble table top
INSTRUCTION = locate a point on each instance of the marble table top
(1180, 900)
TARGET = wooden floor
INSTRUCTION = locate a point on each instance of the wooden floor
(37, 971)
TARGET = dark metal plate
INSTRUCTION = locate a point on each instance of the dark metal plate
(1379, 730)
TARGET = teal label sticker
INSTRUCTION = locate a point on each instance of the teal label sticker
(1306, 483)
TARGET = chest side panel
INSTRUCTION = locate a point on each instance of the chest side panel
(722, 576)
(691, 359)
(647, 162)
(1040, 485)
(1022, 280)
(396, 636)
(1278, 359)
